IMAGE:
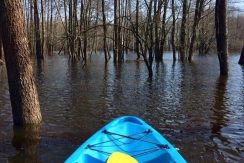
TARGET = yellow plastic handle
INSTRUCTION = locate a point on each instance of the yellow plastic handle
(118, 157)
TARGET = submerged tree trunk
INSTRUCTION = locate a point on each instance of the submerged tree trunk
(173, 30)
(39, 53)
(43, 6)
(104, 32)
(164, 34)
(241, 61)
(197, 17)
(115, 32)
(137, 30)
(221, 35)
(183, 32)
(157, 15)
(22, 88)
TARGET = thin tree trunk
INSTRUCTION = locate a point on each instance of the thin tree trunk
(241, 60)
(43, 4)
(115, 32)
(50, 31)
(150, 30)
(104, 32)
(197, 17)
(31, 34)
(37, 33)
(1, 49)
(137, 30)
(157, 14)
(164, 34)
(22, 88)
(173, 30)
(120, 55)
(221, 35)
(183, 32)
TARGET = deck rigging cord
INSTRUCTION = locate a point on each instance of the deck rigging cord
(117, 141)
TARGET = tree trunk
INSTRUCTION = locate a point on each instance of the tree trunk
(37, 33)
(164, 34)
(241, 61)
(115, 32)
(1, 49)
(104, 32)
(221, 35)
(197, 17)
(137, 30)
(183, 32)
(50, 31)
(157, 15)
(173, 30)
(43, 4)
(22, 88)
(120, 55)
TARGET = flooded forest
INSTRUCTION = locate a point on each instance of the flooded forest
(68, 67)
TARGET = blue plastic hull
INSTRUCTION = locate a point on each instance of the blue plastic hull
(129, 135)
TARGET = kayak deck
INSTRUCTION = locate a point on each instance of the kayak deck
(128, 135)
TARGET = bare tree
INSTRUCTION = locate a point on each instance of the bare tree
(105, 48)
(157, 21)
(116, 32)
(182, 47)
(22, 88)
(197, 17)
(137, 29)
(43, 5)
(39, 53)
(173, 29)
(163, 30)
(221, 35)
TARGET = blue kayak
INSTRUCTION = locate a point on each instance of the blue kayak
(131, 136)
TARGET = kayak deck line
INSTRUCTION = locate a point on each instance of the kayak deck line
(130, 137)
(144, 151)
(105, 131)
(126, 137)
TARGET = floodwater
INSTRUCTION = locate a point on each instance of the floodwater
(199, 112)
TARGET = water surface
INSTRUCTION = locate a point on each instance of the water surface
(199, 112)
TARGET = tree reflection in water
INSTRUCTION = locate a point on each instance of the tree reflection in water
(26, 140)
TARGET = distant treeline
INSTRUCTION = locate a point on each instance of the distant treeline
(80, 27)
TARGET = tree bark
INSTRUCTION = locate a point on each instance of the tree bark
(137, 30)
(221, 35)
(157, 15)
(197, 17)
(173, 30)
(43, 4)
(1, 49)
(37, 33)
(241, 61)
(104, 32)
(22, 88)
(164, 34)
(120, 55)
(183, 32)
(115, 32)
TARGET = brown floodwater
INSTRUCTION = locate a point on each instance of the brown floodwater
(199, 112)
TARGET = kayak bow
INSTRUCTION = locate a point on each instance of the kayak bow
(130, 136)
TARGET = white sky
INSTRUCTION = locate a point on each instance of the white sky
(237, 3)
